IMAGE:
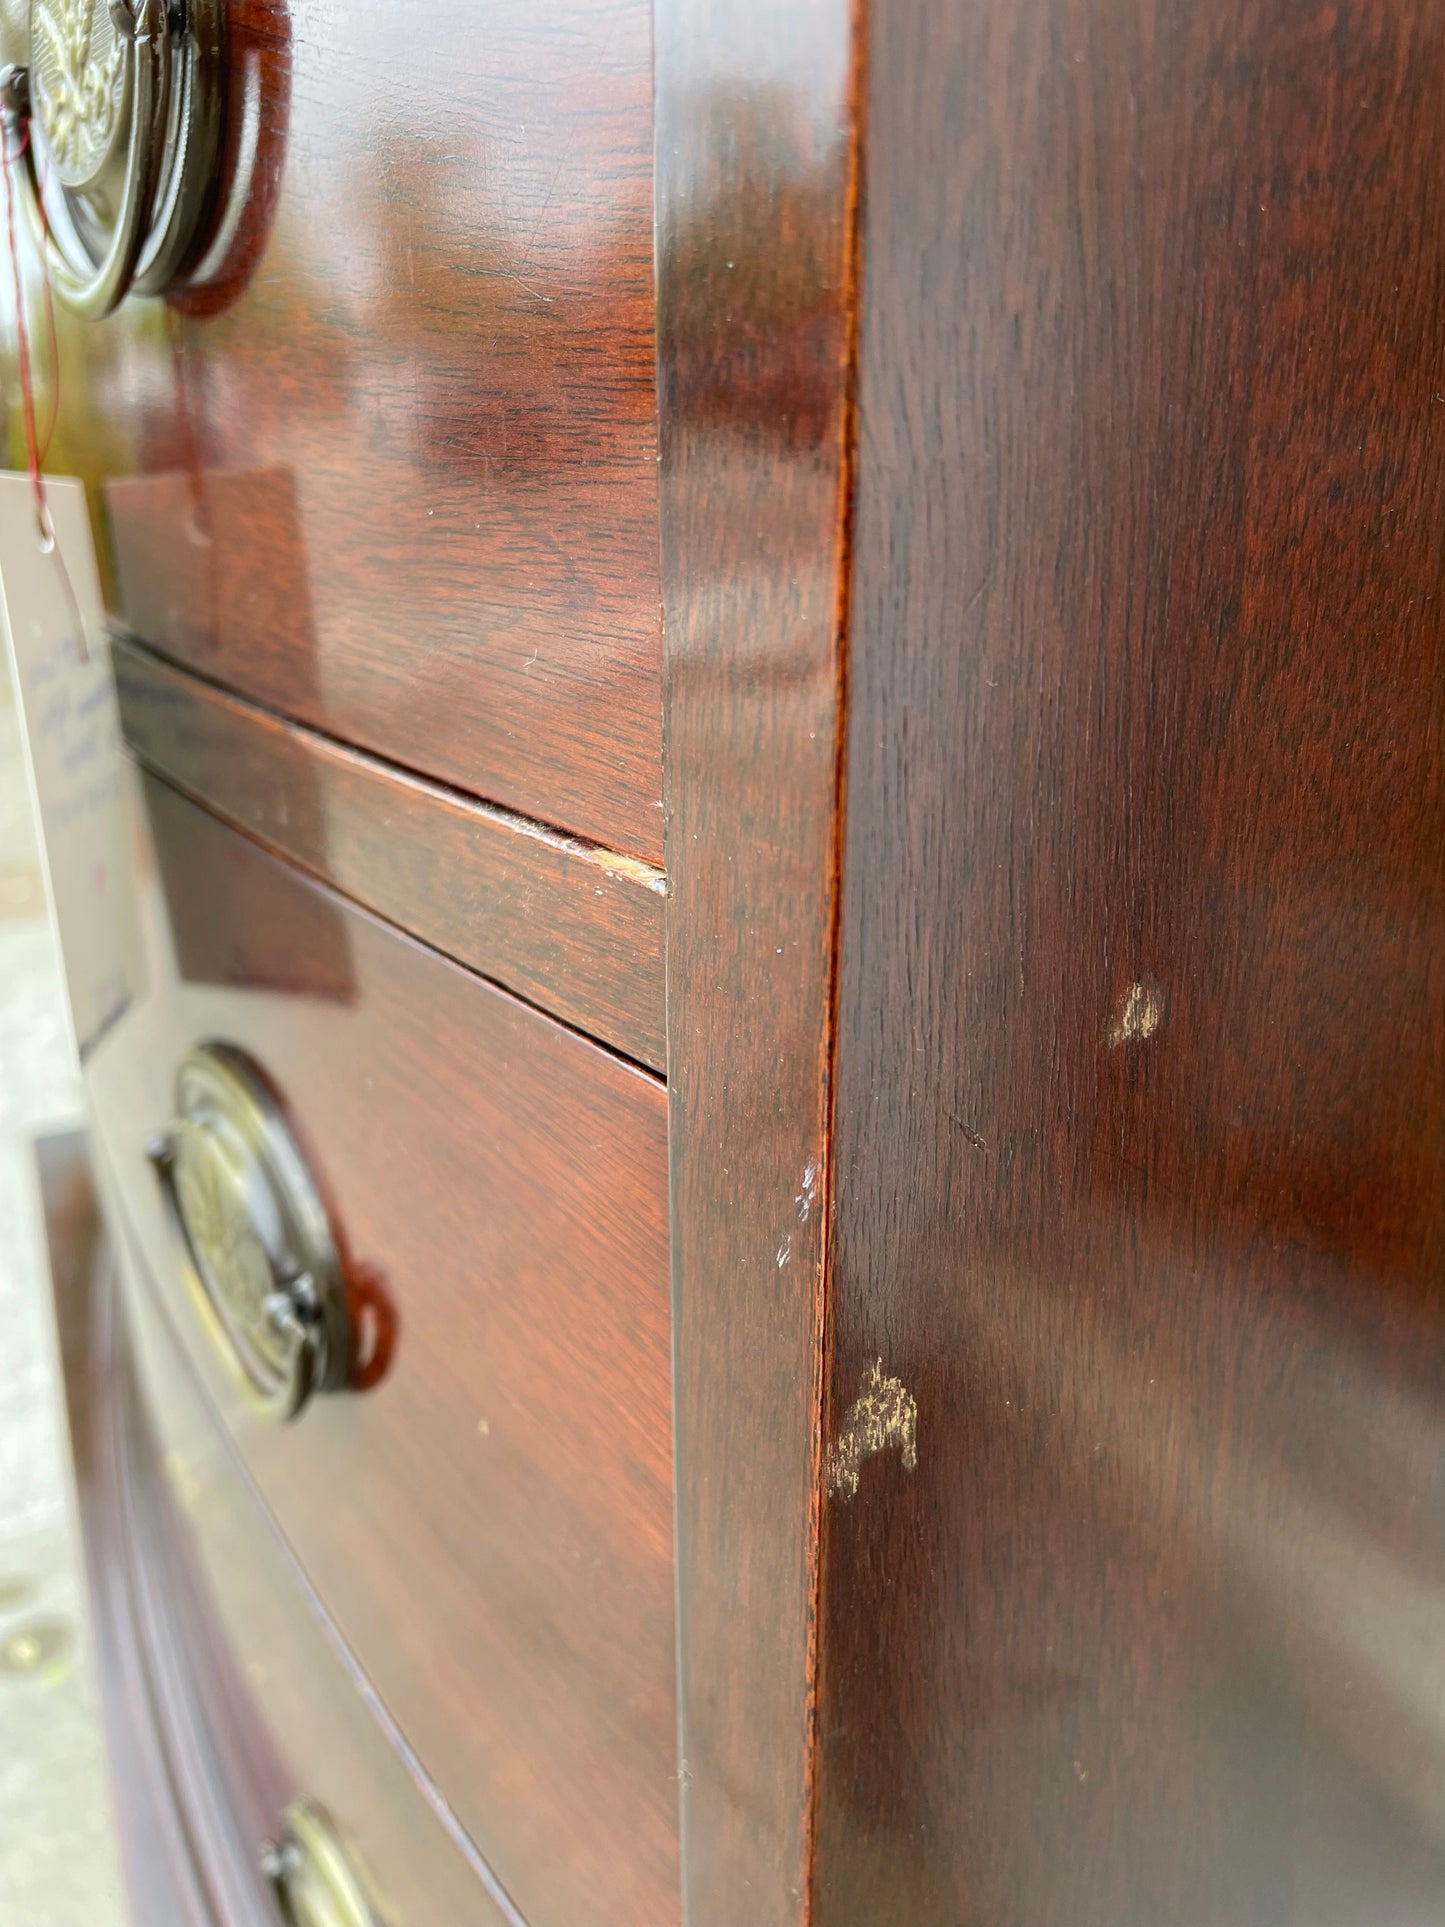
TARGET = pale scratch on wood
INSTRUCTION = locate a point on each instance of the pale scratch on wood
(807, 1197)
(1138, 1015)
(884, 1414)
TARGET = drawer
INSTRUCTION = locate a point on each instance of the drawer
(566, 926)
(253, 1706)
(395, 474)
(486, 1511)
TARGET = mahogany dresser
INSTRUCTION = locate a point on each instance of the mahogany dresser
(772, 1246)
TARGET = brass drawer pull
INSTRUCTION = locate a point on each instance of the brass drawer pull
(123, 102)
(264, 1268)
(316, 1877)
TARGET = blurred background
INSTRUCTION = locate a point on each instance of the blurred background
(59, 1862)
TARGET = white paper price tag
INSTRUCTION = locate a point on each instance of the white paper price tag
(72, 737)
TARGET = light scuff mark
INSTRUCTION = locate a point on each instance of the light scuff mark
(884, 1415)
(1139, 1013)
(808, 1196)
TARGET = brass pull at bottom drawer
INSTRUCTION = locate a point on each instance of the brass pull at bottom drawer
(264, 1269)
(317, 1877)
(236, 1703)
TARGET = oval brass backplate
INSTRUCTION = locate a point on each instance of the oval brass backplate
(120, 113)
(317, 1876)
(79, 89)
(265, 1262)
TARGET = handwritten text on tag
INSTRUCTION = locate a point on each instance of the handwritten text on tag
(72, 733)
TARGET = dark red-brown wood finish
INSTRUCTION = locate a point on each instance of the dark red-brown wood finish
(571, 927)
(1057, 1215)
(1141, 1069)
(256, 1698)
(486, 1513)
(398, 479)
(754, 146)
(227, 1692)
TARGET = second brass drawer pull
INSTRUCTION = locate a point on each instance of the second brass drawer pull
(316, 1877)
(265, 1271)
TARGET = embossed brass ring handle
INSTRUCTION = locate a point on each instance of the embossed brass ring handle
(316, 1877)
(123, 106)
(264, 1269)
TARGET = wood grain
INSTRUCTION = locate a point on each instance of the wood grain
(1141, 1075)
(754, 170)
(490, 1523)
(572, 928)
(401, 484)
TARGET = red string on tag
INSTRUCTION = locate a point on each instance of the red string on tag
(52, 339)
(37, 447)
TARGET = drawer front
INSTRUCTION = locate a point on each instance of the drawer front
(573, 929)
(254, 1705)
(396, 473)
(487, 1512)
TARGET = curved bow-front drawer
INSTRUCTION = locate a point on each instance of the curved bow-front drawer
(283, 1775)
(478, 1483)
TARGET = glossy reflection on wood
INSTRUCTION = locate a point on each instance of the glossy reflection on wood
(1141, 1074)
(490, 1522)
(753, 141)
(404, 485)
(570, 927)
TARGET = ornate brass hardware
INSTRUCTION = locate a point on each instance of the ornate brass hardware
(123, 103)
(264, 1268)
(316, 1877)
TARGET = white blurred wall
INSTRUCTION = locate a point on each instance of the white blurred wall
(59, 1865)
